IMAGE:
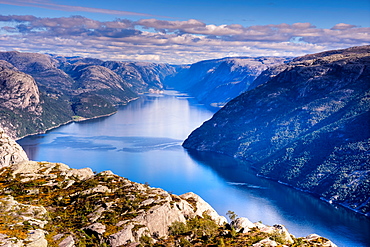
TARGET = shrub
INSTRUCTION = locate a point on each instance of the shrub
(177, 228)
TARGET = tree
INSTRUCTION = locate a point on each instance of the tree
(232, 215)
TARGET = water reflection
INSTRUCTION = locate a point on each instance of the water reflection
(142, 142)
(300, 210)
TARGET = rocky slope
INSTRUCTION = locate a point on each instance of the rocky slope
(10, 151)
(215, 82)
(100, 81)
(50, 204)
(65, 89)
(307, 126)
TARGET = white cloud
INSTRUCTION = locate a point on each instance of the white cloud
(170, 41)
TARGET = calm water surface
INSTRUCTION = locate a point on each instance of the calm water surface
(142, 142)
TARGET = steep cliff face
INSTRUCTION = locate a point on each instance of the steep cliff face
(307, 126)
(18, 90)
(215, 82)
(10, 151)
(23, 108)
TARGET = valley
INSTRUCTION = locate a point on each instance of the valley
(303, 122)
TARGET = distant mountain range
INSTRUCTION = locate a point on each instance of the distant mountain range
(305, 123)
(40, 91)
(53, 90)
(216, 82)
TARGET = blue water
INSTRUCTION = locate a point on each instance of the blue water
(142, 142)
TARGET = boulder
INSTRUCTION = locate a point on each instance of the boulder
(242, 225)
(279, 232)
(36, 238)
(313, 238)
(266, 243)
(122, 237)
(97, 228)
(160, 217)
(67, 242)
(202, 206)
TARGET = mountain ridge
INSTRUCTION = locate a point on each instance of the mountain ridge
(76, 88)
(298, 121)
(217, 81)
(67, 89)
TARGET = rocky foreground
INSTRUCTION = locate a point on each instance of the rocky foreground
(51, 204)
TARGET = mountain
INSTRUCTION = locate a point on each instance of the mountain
(140, 77)
(100, 81)
(74, 88)
(305, 124)
(23, 108)
(40, 91)
(215, 82)
(50, 204)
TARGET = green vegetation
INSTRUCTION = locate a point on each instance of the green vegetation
(232, 215)
(204, 232)
(89, 106)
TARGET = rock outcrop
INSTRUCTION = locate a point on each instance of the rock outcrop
(307, 126)
(10, 151)
(105, 205)
(50, 204)
(18, 90)
(215, 82)
(277, 234)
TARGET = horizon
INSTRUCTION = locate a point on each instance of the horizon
(182, 33)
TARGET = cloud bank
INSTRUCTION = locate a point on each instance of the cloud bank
(170, 41)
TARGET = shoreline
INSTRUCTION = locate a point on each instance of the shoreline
(65, 123)
(79, 119)
(320, 197)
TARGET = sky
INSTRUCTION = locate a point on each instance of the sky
(181, 32)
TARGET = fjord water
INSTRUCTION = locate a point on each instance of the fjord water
(142, 142)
